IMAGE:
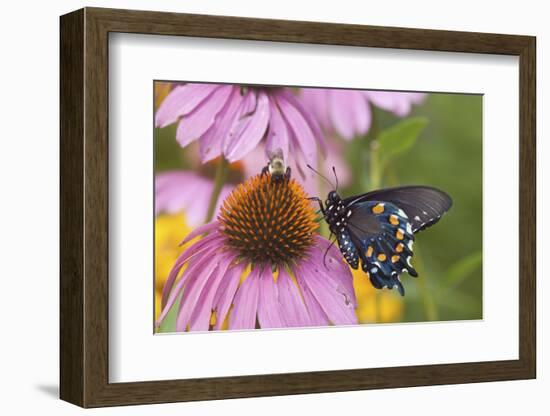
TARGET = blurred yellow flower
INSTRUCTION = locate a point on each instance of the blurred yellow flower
(162, 89)
(169, 230)
(374, 305)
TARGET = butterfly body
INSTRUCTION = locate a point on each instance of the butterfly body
(377, 229)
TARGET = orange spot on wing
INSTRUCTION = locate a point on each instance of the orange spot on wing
(378, 209)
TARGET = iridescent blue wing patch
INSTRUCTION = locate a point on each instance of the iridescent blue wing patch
(383, 237)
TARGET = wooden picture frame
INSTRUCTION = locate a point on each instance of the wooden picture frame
(84, 207)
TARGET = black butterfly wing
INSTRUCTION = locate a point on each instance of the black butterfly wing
(423, 205)
(383, 238)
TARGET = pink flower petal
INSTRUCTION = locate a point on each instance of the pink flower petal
(293, 310)
(192, 126)
(269, 308)
(200, 319)
(176, 191)
(298, 160)
(316, 100)
(207, 244)
(245, 303)
(335, 268)
(362, 114)
(417, 97)
(193, 303)
(349, 113)
(386, 100)
(226, 293)
(181, 101)
(399, 103)
(203, 229)
(173, 294)
(250, 131)
(277, 136)
(197, 278)
(317, 316)
(198, 209)
(332, 298)
(204, 245)
(246, 107)
(302, 135)
(211, 144)
(308, 116)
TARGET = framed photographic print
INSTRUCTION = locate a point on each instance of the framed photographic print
(261, 207)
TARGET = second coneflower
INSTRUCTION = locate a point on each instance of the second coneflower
(260, 265)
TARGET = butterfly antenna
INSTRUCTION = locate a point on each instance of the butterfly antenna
(328, 249)
(335, 177)
(322, 176)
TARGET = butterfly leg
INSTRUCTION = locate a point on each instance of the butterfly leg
(320, 202)
(327, 250)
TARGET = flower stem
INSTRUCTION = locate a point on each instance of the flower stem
(219, 181)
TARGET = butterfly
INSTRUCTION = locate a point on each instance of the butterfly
(377, 229)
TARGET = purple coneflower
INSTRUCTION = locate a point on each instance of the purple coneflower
(347, 112)
(260, 264)
(231, 120)
(182, 191)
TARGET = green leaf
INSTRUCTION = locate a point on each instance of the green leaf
(399, 138)
(461, 270)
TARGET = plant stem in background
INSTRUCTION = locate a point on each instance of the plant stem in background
(219, 181)
(374, 171)
(430, 308)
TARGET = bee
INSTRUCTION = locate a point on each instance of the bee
(276, 166)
